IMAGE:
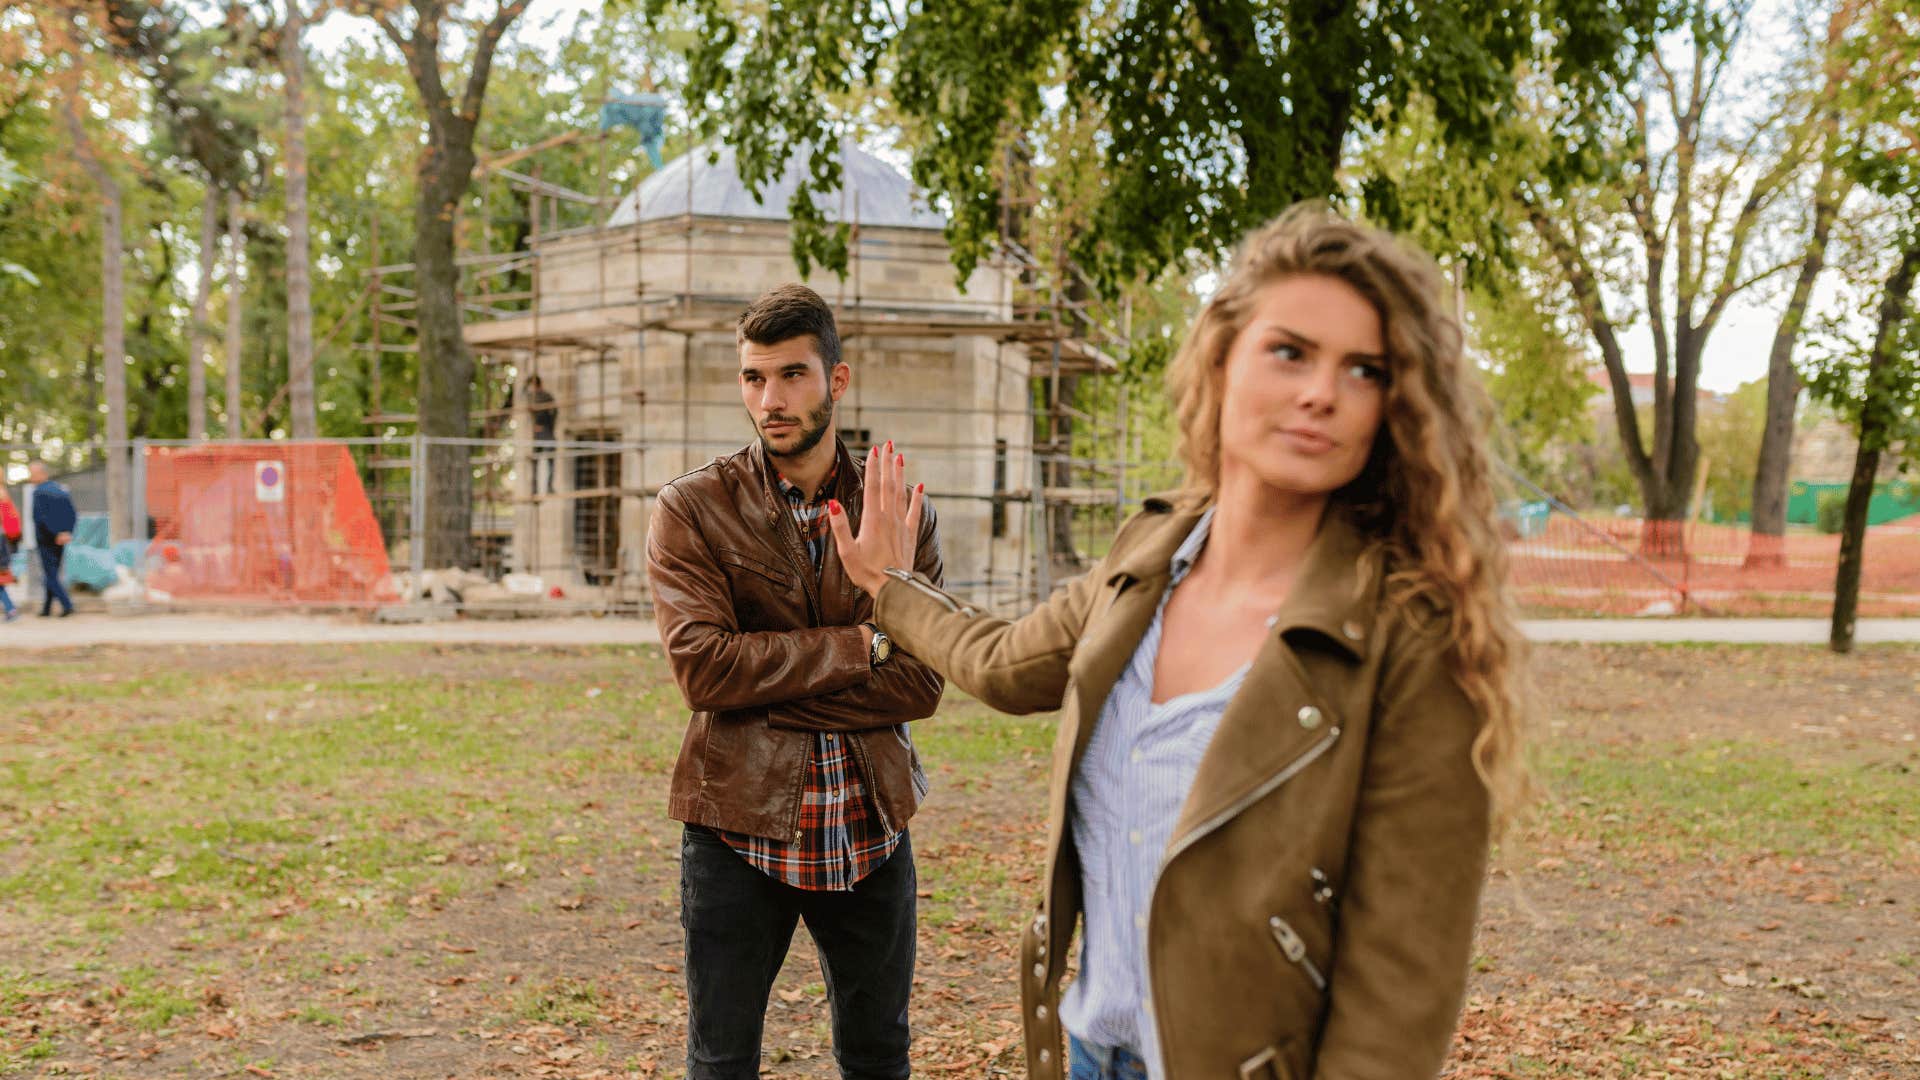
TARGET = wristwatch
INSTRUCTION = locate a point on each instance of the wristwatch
(882, 648)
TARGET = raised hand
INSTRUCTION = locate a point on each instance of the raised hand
(889, 521)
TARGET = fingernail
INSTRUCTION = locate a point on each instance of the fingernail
(919, 489)
(889, 446)
(900, 459)
(833, 506)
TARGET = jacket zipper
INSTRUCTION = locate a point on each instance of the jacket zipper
(1295, 950)
(939, 597)
(782, 523)
(1308, 757)
(797, 555)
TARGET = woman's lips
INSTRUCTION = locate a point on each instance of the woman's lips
(1312, 442)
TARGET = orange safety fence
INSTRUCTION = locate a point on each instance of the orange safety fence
(1601, 565)
(264, 523)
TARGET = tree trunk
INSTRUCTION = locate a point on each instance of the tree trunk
(113, 362)
(1853, 542)
(293, 64)
(445, 174)
(113, 326)
(1874, 427)
(1767, 547)
(198, 332)
(446, 365)
(236, 297)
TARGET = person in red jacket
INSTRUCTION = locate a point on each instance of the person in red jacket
(10, 530)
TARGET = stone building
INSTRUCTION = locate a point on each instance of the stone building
(630, 327)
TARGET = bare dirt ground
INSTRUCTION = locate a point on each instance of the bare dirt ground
(1723, 879)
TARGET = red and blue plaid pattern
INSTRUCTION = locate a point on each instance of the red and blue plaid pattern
(841, 837)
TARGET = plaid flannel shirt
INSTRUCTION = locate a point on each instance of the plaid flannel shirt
(842, 838)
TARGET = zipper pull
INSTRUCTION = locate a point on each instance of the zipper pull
(1295, 949)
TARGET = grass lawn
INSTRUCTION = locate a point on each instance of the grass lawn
(420, 861)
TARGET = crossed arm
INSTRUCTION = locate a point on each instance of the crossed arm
(812, 678)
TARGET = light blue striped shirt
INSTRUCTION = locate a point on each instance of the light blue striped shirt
(1126, 794)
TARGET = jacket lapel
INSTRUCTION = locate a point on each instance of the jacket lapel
(1135, 580)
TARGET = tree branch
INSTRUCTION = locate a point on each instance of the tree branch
(1586, 292)
(483, 50)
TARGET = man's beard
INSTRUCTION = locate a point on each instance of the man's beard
(812, 429)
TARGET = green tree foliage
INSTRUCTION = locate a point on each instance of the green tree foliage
(1678, 225)
(1730, 431)
(1873, 383)
(1206, 118)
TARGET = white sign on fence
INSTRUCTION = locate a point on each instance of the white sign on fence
(270, 481)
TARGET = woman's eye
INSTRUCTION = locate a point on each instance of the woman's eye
(1283, 351)
(1369, 373)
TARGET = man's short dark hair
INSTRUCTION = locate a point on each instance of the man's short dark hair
(785, 312)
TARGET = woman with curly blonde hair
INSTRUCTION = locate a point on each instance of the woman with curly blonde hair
(1289, 728)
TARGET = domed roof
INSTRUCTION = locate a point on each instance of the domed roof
(885, 198)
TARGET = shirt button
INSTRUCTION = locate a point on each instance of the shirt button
(1352, 629)
(1136, 755)
(1309, 717)
(1134, 836)
(1140, 922)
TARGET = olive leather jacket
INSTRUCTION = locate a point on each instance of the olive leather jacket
(767, 653)
(1314, 912)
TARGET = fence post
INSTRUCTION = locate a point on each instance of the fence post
(138, 498)
(417, 508)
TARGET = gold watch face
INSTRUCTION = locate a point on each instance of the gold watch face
(882, 648)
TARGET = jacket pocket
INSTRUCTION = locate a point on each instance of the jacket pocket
(754, 565)
(1294, 948)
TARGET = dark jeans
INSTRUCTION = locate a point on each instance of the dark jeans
(739, 923)
(1086, 1061)
(51, 555)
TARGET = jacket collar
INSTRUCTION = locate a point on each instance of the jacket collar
(1335, 596)
(848, 476)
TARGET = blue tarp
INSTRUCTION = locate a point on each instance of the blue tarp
(91, 531)
(644, 113)
(92, 567)
(89, 566)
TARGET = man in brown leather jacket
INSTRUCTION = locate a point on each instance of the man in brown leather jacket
(797, 776)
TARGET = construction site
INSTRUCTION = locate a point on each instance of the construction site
(607, 366)
(622, 306)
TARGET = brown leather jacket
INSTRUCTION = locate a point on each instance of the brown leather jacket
(1315, 908)
(767, 653)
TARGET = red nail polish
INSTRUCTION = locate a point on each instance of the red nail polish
(833, 506)
(919, 489)
(900, 459)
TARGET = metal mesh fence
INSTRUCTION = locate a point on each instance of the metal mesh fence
(559, 527)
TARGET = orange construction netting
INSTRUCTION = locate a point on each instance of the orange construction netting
(269, 523)
(1620, 566)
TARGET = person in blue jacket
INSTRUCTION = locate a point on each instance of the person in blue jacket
(53, 522)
